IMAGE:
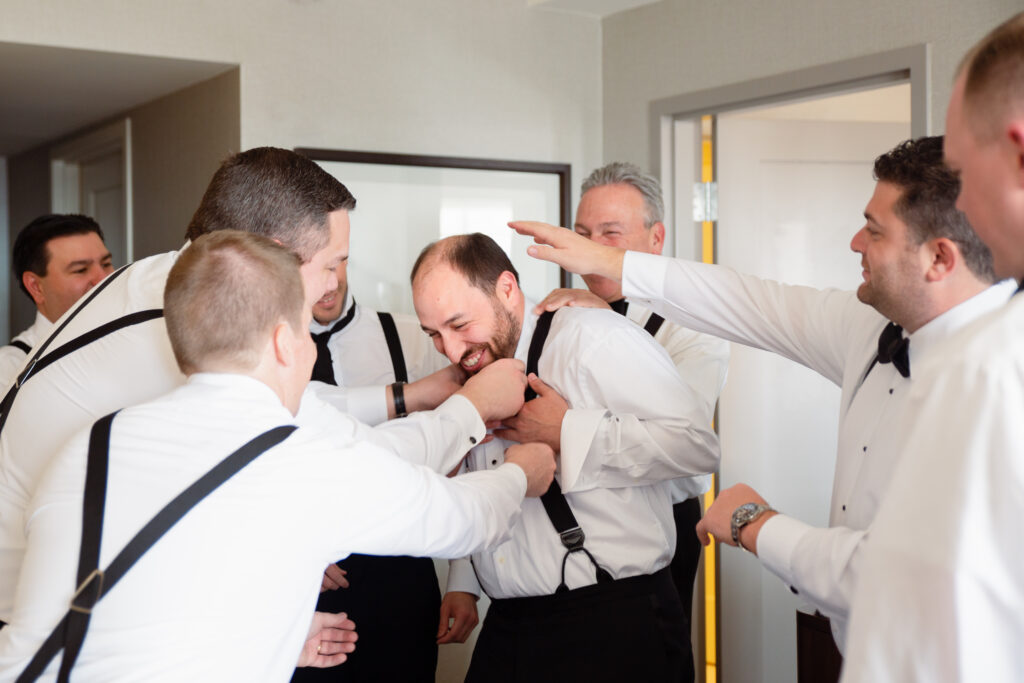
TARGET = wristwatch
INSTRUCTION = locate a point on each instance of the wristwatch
(744, 515)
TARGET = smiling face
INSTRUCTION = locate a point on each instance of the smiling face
(616, 215)
(894, 266)
(320, 274)
(468, 325)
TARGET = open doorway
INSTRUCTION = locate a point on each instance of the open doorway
(788, 171)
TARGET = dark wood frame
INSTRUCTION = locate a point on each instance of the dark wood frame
(563, 171)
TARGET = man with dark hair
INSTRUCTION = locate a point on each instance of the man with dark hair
(582, 590)
(237, 319)
(56, 259)
(941, 595)
(622, 206)
(114, 351)
(926, 275)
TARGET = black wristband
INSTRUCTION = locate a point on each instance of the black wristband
(398, 395)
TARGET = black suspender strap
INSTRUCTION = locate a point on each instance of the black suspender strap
(39, 361)
(387, 323)
(18, 344)
(654, 324)
(555, 504)
(94, 583)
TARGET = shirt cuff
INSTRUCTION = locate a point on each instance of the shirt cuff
(463, 413)
(461, 577)
(776, 543)
(577, 433)
(643, 275)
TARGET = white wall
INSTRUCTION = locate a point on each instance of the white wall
(681, 46)
(456, 77)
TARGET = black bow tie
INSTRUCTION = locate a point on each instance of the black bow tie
(893, 347)
(323, 368)
(619, 306)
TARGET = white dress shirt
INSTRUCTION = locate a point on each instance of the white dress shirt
(185, 611)
(136, 364)
(834, 334)
(941, 595)
(12, 359)
(703, 362)
(632, 425)
(359, 352)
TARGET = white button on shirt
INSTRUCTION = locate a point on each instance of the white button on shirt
(186, 611)
(834, 334)
(941, 591)
(632, 425)
(12, 359)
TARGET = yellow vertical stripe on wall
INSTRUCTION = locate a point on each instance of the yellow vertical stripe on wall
(711, 552)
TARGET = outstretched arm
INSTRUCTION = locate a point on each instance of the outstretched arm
(574, 253)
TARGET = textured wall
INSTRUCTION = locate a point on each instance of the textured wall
(680, 46)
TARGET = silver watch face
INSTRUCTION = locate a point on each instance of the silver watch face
(744, 515)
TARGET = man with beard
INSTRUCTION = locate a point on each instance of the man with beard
(582, 590)
(926, 275)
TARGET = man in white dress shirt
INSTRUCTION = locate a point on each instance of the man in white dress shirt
(267, 191)
(582, 590)
(622, 206)
(237, 317)
(395, 600)
(924, 270)
(56, 259)
(941, 596)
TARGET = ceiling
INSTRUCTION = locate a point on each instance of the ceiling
(49, 92)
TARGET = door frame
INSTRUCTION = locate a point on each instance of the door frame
(908, 64)
(67, 157)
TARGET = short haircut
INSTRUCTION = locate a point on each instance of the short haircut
(624, 173)
(31, 253)
(272, 192)
(928, 200)
(994, 84)
(478, 257)
(224, 296)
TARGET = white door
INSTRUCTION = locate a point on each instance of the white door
(791, 196)
(102, 196)
(91, 174)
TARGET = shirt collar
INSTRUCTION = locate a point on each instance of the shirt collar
(526, 334)
(943, 325)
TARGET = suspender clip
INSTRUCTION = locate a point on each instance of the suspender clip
(572, 538)
(88, 593)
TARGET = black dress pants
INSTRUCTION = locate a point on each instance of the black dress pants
(688, 547)
(396, 604)
(625, 630)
